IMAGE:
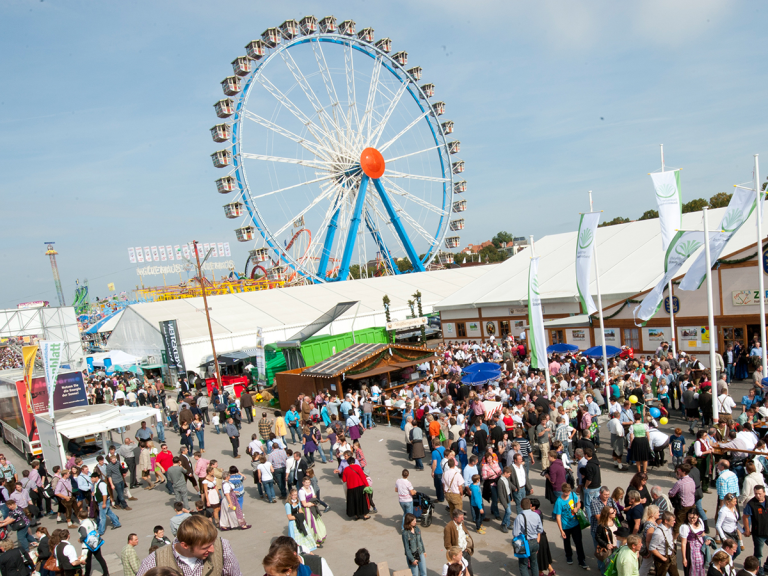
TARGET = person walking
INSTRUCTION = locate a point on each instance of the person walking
(662, 546)
(116, 481)
(414, 547)
(265, 472)
(234, 436)
(519, 482)
(417, 453)
(356, 481)
(92, 541)
(177, 478)
(405, 494)
(313, 522)
(231, 512)
(297, 528)
(685, 487)
(101, 496)
(453, 485)
(246, 405)
(529, 524)
(454, 534)
(565, 511)
(198, 427)
(128, 557)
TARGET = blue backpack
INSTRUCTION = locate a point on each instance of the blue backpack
(520, 542)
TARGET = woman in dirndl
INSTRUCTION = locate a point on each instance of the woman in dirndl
(638, 440)
(231, 515)
(692, 537)
(704, 461)
(356, 481)
(313, 523)
(309, 445)
(297, 528)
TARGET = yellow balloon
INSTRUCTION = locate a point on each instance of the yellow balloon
(633, 399)
(663, 420)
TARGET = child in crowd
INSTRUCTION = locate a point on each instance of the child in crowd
(159, 539)
(677, 448)
(476, 501)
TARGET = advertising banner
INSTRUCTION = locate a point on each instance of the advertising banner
(147, 254)
(536, 318)
(169, 252)
(139, 254)
(221, 249)
(214, 251)
(51, 363)
(172, 341)
(226, 249)
(132, 255)
(261, 361)
(670, 203)
(155, 254)
(186, 251)
(585, 248)
(163, 258)
(69, 392)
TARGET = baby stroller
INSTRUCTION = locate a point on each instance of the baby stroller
(422, 509)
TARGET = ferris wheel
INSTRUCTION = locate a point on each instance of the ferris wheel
(333, 143)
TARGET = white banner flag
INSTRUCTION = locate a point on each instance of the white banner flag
(185, 250)
(132, 255)
(585, 248)
(538, 343)
(177, 251)
(169, 252)
(221, 250)
(147, 254)
(162, 254)
(214, 251)
(139, 254)
(155, 254)
(669, 200)
(206, 247)
(226, 249)
(51, 353)
(740, 208)
(683, 245)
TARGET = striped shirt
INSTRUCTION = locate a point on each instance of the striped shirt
(727, 483)
(562, 433)
(525, 447)
(277, 458)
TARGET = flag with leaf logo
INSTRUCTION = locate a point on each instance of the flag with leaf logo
(740, 208)
(538, 336)
(585, 248)
(682, 247)
(670, 203)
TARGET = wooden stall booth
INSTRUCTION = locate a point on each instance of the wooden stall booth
(387, 365)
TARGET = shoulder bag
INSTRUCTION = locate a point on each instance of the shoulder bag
(520, 542)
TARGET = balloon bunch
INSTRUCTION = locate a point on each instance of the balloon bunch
(655, 412)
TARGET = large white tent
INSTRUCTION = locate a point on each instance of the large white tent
(280, 313)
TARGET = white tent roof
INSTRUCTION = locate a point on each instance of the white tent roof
(118, 357)
(288, 309)
(630, 256)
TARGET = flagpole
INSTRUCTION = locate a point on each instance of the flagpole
(600, 310)
(759, 207)
(671, 296)
(711, 318)
(546, 356)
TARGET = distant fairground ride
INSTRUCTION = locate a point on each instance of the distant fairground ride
(336, 156)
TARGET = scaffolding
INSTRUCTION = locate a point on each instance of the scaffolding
(46, 324)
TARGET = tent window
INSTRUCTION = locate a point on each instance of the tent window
(632, 338)
(461, 329)
(504, 328)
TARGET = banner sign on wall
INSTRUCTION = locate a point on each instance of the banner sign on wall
(172, 341)
(51, 363)
(69, 392)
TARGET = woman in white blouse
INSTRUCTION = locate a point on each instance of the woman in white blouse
(728, 523)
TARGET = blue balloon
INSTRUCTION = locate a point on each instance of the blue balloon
(655, 412)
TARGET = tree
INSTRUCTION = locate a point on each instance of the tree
(617, 220)
(459, 257)
(491, 254)
(720, 200)
(648, 214)
(501, 238)
(404, 265)
(695, 205)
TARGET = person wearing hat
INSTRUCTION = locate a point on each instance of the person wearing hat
(762, 413)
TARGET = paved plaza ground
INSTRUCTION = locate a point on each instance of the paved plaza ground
(385, 453)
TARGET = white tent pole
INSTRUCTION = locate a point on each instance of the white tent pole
(600, 311)
(760, 272)
(546, 359)
(711, 318)
(671, 296)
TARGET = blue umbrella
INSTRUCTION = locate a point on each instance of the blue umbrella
(562, 348)
(481, 377)
(481, 367)
(597, 351)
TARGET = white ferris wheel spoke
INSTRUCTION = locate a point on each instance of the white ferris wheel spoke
(413, 153)
(308, 182)
(318, 150)
(416, 120)
(327, 80)
(415, 199)
(396, 174)
(310, 94)
(321, 232)
(316, 131)
(415, 225)
(349, 68)
(318, 164)
(390, 109)
(303, 212)
(373, 88)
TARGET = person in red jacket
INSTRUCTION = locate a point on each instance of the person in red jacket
(354, 478)
(165, 459)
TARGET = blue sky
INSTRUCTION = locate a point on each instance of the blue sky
(105, 109)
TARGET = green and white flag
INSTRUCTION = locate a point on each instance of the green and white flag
(538, 343)
(740, 208)
(670, 203)
(51, 353)
(682, 247)
(585, 248)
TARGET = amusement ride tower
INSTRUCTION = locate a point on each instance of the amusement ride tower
(51, 253)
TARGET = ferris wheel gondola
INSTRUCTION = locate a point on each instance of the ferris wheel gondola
(323, 125)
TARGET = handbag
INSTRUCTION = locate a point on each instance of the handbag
(520, 542)
(582, 518)
(361, 429)
(50, 564)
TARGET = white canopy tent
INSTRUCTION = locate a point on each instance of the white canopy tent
(118, 358)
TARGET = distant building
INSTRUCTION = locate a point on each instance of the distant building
(512, 248)
(475, 248)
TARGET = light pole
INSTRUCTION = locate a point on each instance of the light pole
(207, 315)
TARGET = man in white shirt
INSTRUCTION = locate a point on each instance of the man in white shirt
(470, 470)
(453, 485)
(255, 447)
(616, 429)
(725, 406)
(66, 555)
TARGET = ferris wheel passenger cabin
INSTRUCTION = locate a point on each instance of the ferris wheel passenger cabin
(401, 57)
(366, 35)
(231, 85)
(289, 29)
(308, 25)
(438, 108)
(454, 147)
(460, 206)
(385, 45)
(242, 66)
(452, 242)
(328, 25)
(415, 73)
(222, 158)
(347, 28)
(233, 210)
(458, 166)
(245, 234)
(447, 127)
(457, 225)
(221, 132)
(276, 273)
(271, 37)
(256, 49)
(445, 258)
(225, 185)
(224, 108)
(429, 90)
(460, 186)
(259, 254)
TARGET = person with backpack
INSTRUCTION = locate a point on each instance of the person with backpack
(92, 541)
(101, 496)
(528, 525)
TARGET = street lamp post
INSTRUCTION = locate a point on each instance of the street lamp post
(207, 314)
